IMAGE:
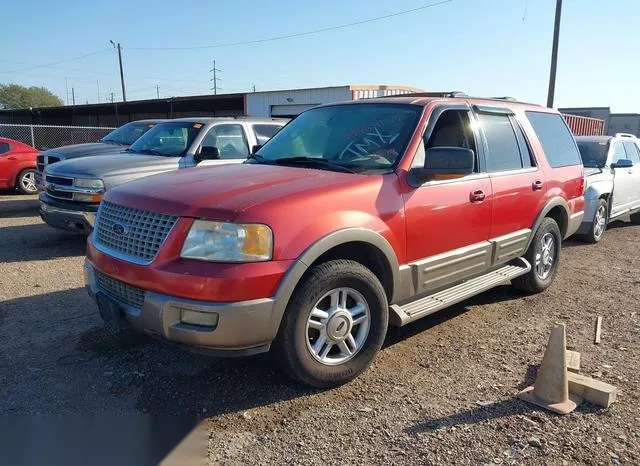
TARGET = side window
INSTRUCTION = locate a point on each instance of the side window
(453, 129)
(230, 141)
(619, 152)
(265, 132)
(504, 151)
(632, 152)
(4, 147)
(556, 139)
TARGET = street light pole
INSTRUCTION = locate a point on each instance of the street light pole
(554, 55)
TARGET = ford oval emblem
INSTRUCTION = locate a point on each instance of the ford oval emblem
(119, 229)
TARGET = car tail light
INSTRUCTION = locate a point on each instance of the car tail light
(583, 182)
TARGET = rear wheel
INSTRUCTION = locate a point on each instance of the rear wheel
(598, 224)
(543, 255)
(26, 182)
(333, 326)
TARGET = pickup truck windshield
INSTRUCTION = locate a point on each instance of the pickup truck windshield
(593, 153)
(127, 134)
(354, 137)
(169, 139)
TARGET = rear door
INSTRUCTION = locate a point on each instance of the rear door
(631, 148)
(7, 163)
(623, 181)
(518, 183)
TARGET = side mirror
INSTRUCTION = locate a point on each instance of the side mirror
(622, 163)
(256, 148)
(206, 153)
(444, 163)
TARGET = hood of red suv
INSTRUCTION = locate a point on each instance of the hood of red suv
(223, 192)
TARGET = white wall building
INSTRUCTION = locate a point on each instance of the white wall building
(289, 103)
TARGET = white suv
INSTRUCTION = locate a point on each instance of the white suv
(612, 171)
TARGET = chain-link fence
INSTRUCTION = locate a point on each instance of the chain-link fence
(46, 137)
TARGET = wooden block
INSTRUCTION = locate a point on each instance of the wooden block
(573, 361)
(598, 329)
(592, 390)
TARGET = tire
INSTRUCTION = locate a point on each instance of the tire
(301, 329)
(26, 182)
(598, 224)
(635, 218)
(534, 281)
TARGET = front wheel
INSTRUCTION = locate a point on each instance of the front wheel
(333, 326)
(26, 182)
(543, 255)
(598, 224)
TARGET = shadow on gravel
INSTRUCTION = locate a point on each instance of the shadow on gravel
(38, 242)
(495, 295)
(18, 206)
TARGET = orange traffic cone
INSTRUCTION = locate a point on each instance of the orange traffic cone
(551, 389)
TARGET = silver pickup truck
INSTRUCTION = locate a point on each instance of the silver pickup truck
(612, 174)
(73, 189)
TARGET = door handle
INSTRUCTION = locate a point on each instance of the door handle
(477, 196)
(12, 158)
(630, 171)
(537, 185)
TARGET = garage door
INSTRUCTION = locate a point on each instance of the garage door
(289, 111)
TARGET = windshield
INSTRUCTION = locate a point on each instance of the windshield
(127, 134)
(360, 137)
(169, 139)
(593, 153)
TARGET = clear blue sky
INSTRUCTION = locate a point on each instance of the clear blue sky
(484, 47)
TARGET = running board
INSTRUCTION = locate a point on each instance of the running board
(402, 315)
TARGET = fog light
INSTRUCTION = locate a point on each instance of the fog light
(207, 319)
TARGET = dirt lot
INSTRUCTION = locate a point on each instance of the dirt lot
(417, 405)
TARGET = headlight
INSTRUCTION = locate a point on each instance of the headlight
(228, 242)
(94, 183)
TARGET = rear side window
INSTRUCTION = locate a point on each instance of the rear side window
(556, 139)
(265, 132)
(504, 151)
(4, 147)
(632, 152)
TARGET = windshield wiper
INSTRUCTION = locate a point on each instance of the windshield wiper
(147, 152)
(323, 163)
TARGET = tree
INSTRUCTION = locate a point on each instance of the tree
(17, 96)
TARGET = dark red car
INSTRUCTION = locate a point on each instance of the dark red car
(17, 166)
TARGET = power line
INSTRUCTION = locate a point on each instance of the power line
(307, 33)
(57, 62)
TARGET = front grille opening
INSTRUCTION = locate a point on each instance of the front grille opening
(120, 291)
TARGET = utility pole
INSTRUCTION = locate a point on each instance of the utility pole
(111, 94)
(215, 78)
(157, 91)
(73, 95)
(124, 92)
(554, 55)
(98, 84)
(254, 88)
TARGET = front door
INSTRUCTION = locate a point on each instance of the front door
(231, 141)
(448, 221)
(633, 154)
(623, 181)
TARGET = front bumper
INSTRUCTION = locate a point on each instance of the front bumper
(575, 220)
(590, 207)
(67, 216)
(242, 328)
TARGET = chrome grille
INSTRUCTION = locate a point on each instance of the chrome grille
(135, 234)
(52, 159)
(120, 291)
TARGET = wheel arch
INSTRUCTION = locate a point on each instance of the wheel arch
(557, 209)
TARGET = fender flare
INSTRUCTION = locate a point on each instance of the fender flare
(554, 202)
(313, 252)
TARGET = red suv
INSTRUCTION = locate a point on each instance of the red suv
(353, 217)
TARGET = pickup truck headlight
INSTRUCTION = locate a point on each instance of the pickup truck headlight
(228, 242)
(92, 183)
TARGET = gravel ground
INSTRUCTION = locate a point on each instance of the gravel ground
(441, 391)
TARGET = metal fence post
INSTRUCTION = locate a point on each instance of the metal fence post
(33, 141)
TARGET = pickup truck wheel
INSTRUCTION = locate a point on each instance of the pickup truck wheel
(26, 182)
(333, 326)
(598, 224)
(543, 255)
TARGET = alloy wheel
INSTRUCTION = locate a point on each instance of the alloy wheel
(28, 182)
(545, 256)
(600, 222)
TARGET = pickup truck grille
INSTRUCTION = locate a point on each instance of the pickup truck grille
(44, 160)
(133, 235)
(57, 187)
(120, 291)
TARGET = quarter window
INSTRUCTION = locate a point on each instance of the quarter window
(230, 141)
(4, 147)
(632, 152)
(556, 139)
(504, 151)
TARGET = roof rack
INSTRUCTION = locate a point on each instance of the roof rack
(624, 135)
